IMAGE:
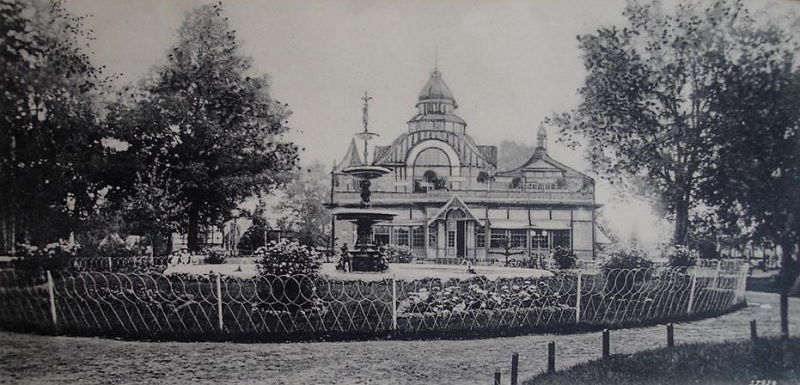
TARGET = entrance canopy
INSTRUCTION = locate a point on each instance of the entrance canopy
(454, 203)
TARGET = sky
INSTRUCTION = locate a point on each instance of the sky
(509, 63)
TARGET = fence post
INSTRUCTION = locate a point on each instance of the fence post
(514, 368)
(551, 357)
(753, 333)
(691, 292)
(219, 304)
(606, 343)
(578, 300)
(670, 336)
(394, 303)
(716, 274)
(497, 376)
(110, 266)
(52, 295)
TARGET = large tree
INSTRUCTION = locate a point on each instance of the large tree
(757, 183)
(652, 98)
(210, 121)
(51, 148)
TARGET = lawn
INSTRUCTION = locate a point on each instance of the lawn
(704, 363)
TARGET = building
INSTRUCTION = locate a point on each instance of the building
(453, 202)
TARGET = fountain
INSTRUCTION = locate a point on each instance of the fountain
(365, 256)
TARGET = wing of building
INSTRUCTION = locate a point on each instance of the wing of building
(451, 199)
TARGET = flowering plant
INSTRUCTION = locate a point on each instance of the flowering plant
(397, 254)
(287, 258)
(682, 256)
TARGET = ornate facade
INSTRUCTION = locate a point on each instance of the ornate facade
(453, 202)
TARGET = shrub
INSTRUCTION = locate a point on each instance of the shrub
(564, 258)
(625, 270)
(397, 254)
(682, 256)
(287, 258)
(215, 256)
(627, 259)
(54, 256)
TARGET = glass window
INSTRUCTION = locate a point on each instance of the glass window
(519, 238)
(381, 235)
(561, 239)
(480, 237)
(418, 237)
(451, 238)
(539, 239)
(401, 236)
(432, 237)
(497, 236)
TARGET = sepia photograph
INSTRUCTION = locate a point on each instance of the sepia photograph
(524, 192)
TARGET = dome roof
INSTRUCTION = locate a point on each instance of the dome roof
(436, 89)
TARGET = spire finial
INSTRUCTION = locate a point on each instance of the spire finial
(541, 138)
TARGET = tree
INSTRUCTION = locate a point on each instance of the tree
(756, 185)
(210, 122)
(304, 197)
(652, 100)
(50, 142)
(256, 235)
(508, 247)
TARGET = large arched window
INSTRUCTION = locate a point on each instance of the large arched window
(432, 157)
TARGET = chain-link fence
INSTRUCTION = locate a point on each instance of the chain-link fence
(154, 305)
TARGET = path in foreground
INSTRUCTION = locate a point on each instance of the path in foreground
(45, 359)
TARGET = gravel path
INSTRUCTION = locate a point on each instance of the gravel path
(29, 359)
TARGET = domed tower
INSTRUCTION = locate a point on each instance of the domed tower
(435, 108)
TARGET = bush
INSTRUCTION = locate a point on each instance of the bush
(287, 258)
(397, 254)
(215, 256)
(627, 259)
(54, 256)
(564, 258)
(682, 256)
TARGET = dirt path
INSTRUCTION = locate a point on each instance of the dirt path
(29, 359)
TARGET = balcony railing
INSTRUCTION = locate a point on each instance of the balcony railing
(353, 197)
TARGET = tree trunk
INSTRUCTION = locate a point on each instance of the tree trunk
(681, 223)
(787, 274)
(193, 237)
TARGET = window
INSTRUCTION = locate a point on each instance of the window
(381, 235)
(497, 236)
(418, 237)
(432, 237)
(519, 238)
(561, 239)
(451, 238)
(539, 239)
(401, 236)
(480, 238)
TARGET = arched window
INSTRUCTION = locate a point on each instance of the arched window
(432, 157)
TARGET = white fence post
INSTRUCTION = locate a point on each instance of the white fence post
(394, 303)
(109, 263)
(691, 293)
(219, 304)
(578, 301)
(716, 275)
(51, 292)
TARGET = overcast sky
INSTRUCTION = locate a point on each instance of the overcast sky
(509, 63)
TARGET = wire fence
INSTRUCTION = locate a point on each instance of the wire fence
(155, 305)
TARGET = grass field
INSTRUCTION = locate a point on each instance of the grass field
(739, 362)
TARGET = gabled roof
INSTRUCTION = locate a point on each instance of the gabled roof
(454, 203)
(351, 158)
(540, 161)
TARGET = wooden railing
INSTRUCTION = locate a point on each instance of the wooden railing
(353, 197)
